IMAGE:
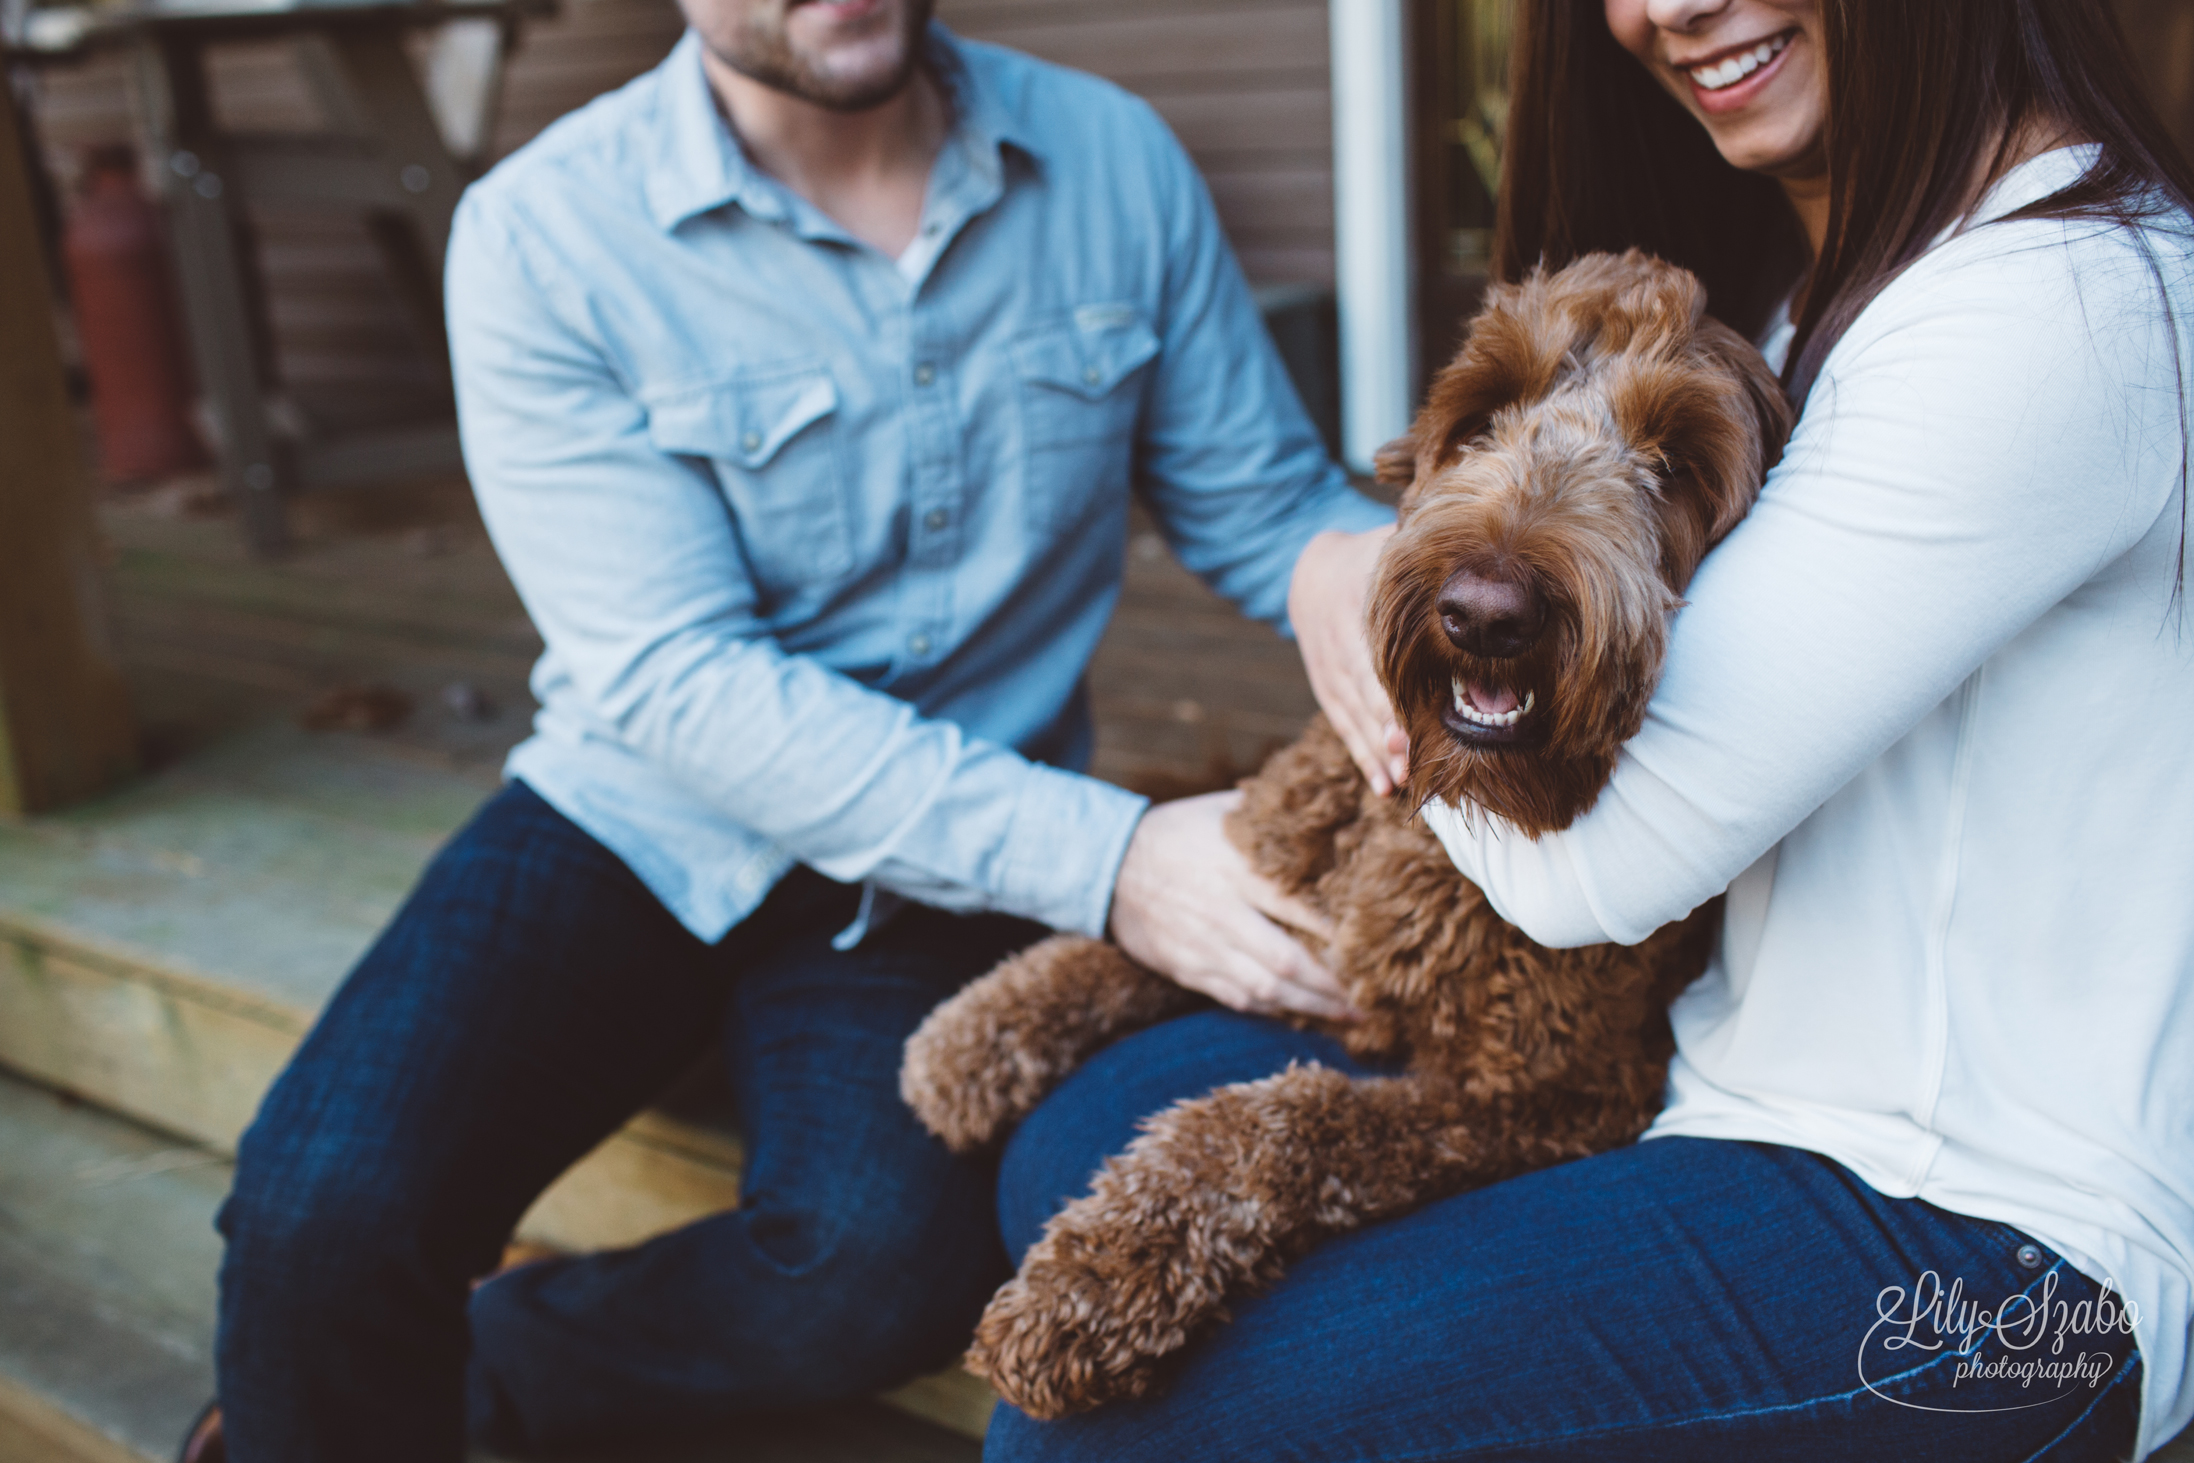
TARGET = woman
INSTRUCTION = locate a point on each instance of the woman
(1925, 1182)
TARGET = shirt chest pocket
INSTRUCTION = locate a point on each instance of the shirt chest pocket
(771, 437)
(1079, 390)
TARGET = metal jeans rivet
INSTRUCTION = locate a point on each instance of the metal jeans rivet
(2030, 1256)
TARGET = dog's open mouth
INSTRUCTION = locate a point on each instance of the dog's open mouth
(1488, 714)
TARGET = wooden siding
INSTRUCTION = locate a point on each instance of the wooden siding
(1242, 81)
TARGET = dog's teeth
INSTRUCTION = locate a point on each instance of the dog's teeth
(1476, 717)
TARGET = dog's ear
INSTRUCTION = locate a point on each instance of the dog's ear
(1395, 465)
(1727, 446)
(1772, 411)
(1714, 418)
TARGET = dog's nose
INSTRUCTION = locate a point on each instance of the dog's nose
(1494, 616)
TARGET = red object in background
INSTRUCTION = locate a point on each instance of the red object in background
(126, 319)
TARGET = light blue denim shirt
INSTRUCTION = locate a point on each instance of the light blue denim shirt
(820, 542)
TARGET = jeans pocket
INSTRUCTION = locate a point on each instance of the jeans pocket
(770, 435)
(1080, 402)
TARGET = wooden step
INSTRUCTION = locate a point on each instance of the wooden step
(163, 950)
(107, 1263)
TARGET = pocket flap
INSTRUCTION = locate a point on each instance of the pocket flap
(1103, 346)
(744, 419)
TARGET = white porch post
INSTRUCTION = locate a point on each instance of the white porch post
(1374, 263)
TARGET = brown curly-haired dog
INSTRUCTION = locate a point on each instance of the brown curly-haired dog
(1593, 438)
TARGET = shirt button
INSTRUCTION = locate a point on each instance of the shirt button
(752, 441)
(924, 374)
(2030, 1256)
(1093, 375)
(919, 645)
(935, 519)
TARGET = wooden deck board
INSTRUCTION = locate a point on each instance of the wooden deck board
(266, 862)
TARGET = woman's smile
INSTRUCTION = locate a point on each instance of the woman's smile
(1731, 78)
(1755, 75)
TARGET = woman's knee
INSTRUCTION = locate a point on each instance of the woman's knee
(1014, 1437)
(1097, 1111)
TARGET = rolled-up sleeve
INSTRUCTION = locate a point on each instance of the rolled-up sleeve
(630, 565)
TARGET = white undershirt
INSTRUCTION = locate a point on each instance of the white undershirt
(1929, 720)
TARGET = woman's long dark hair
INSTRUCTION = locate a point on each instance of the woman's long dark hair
(1922, 94)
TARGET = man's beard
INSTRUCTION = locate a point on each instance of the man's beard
(763, 54)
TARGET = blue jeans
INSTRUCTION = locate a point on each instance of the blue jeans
(530, 997)
(1674, 1300)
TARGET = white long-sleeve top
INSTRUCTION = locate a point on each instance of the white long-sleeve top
(1929, 720)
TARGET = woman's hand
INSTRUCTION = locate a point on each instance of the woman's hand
(1188, 906)
(1326, 602)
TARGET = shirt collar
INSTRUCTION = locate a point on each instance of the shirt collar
(700, 166)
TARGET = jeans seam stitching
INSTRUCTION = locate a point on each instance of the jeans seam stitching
(2133, 1359)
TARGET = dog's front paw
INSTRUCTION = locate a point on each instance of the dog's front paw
(958, 1075)
(985, 1058)
(1101, 1301)
(1053, 1344)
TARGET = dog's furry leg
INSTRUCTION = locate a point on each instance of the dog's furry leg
(1296, 813)
(985, 1058)
(1214, 1200)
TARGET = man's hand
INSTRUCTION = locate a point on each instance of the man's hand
(1326, 601)
(1188, 906)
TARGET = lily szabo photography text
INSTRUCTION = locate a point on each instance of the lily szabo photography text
(2029, 1348)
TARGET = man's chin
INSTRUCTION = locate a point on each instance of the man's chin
(846, 66)
(859, 92)
(846, 88)
(851, 55)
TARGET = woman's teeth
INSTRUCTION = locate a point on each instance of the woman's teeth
(1471, 713)
(1728, 73)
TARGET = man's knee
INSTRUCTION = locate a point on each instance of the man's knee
(326, 1224)
(891, 1296)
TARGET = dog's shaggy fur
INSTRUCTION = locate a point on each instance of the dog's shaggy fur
(1593, 438)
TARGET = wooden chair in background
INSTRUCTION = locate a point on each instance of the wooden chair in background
(396, 149)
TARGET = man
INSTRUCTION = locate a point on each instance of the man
(803, 384)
